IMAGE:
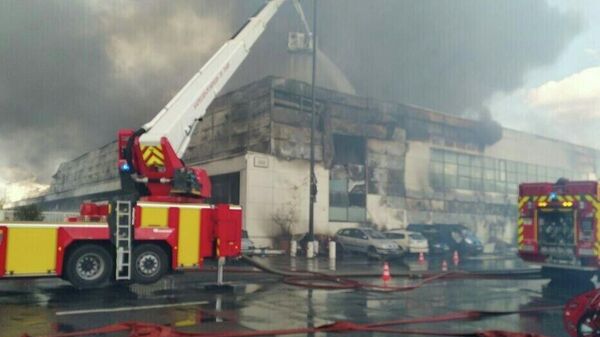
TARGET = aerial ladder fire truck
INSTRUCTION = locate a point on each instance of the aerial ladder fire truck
(166, 224)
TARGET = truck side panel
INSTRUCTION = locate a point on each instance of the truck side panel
(188, 231)
(189, 238)
(228, 228)
(31, 251)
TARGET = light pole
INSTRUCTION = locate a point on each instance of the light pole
(313, 178)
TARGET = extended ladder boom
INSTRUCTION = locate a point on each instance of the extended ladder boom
(177, 120)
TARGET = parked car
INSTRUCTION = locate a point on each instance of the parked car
(410, 242)
(247, 244)
(457, 237)
(436, 245)
(366, 241)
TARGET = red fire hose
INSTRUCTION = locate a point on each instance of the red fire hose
(326, 281)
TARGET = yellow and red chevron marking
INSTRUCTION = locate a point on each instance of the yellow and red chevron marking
(520, 232)
(522, 201)
(596, 206)
(153, 155)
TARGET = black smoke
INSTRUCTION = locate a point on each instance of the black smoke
(72, 73)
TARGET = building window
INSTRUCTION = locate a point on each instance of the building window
(450, 170)
(347, 188)
(225, 188)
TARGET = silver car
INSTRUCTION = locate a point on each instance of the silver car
(366, 241)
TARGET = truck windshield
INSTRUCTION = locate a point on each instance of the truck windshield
(555, 226)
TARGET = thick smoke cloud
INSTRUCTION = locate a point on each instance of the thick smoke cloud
(72, 73)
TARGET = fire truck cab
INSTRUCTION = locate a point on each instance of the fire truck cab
(557, 226)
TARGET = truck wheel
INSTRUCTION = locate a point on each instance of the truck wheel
(149, 263)
(89, 266)
(589, 324)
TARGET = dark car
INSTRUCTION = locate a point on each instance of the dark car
(436, 244)
(455, 237)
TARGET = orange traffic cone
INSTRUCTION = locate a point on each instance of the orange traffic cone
(455, 258)
(421, 258)
(444, 266)
(386, 272)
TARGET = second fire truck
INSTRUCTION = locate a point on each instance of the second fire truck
(558, 227)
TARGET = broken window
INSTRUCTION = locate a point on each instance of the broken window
(347, 189)
(348, 150)
(225, 188)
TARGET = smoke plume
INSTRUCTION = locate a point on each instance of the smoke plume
(72, 72)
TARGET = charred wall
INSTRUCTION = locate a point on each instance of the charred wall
(235, 123)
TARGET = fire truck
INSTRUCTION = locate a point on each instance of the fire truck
(558, 229)
(165, 223)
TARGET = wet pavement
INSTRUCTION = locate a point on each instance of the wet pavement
(260, 301)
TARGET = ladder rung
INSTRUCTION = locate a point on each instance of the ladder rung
(123, 240)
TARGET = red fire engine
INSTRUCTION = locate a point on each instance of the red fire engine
(165, 224)
(558, 227)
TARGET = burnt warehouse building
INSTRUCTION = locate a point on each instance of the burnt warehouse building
(382, 164)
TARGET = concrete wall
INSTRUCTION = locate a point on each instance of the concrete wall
(272, 187)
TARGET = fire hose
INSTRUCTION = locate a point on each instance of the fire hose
(340, 281)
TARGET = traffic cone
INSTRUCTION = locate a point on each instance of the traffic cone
(421, 258)
(444, 266)
(455, 258)
(386, 273)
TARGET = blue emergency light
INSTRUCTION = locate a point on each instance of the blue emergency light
(125, 167)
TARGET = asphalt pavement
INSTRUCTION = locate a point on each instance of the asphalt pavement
(260, 301)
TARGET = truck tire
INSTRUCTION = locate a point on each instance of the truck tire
(150, 263)
(89, 266)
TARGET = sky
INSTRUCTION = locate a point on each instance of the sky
(561, 99)
(73, 72)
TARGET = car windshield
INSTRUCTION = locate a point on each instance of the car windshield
(417, 236)
(374, 234)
